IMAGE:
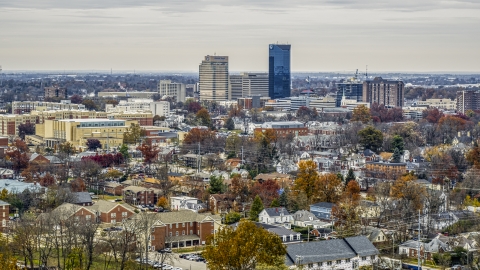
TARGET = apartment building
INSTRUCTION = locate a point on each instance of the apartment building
(55, 91)
(22, 107)
(383, 91)
(468, 100)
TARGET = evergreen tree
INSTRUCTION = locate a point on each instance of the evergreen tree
(350, 176)
(397, 142)
(275, 203)
(229, 124)
(396, 156)
(124, 151)
(257, 207)
(216, 185)
(283, 199)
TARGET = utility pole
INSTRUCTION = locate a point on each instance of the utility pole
(242, 154)
(198, 158)
(418, 253)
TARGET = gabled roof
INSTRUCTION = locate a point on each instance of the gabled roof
(103, 206)
(3, 203)
(66, 210)
(304, 215)
(330, 250)
(275, 212)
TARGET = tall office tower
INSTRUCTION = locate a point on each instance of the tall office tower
(351, 90)
(214, 85)
(167, 88)
(279, 79)
(468, 100)
(255, 84)
(381, 91)
(236, 86)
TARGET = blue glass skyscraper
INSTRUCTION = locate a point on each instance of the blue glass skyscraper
(279, 71)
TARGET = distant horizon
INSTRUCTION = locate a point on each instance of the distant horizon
(113, 71)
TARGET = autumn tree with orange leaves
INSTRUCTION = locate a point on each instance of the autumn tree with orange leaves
(345, 212)
(149, 152)
(17, 155)
(307, 179)
(409, 195)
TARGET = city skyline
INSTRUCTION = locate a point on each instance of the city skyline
(327, 36)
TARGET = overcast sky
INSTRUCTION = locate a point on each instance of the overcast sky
(175, 35)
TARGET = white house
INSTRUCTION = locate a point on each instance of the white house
(182, 202)
(276, 216)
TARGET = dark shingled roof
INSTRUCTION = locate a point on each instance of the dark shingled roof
(81, 197)
(323, 205)
(330, 250)
(276, 211)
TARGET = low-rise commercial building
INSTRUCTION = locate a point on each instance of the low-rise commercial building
(77, 131)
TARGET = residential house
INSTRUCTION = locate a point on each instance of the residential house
(375, 235)
(243, 173)
(182, 202)
(411, 248)
(6, 173)
(4, 215)
(276, 216)
(348, 253)
(323, 233)
(136, 195)
(287, 236)
(322, 210)
(369, 209)
(303, 218)
(221, 203)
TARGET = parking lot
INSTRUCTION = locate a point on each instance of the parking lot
(187, 265)
(184, 264)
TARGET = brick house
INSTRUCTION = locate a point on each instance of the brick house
(181, 228)
(4, 215)
(138, 195)
(110, 212)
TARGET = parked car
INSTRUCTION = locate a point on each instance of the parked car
(165, 250)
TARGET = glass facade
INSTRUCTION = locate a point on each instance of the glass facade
(279, 79)
(352, 90)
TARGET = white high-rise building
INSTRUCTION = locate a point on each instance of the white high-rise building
(177, 90)
(214, 79)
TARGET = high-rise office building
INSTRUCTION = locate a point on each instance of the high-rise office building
(279, 79)
(214, 81)
(167, 88)
(236, 86)
(248, 84)
(382, 91)
(255, 84)
(350, 89)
